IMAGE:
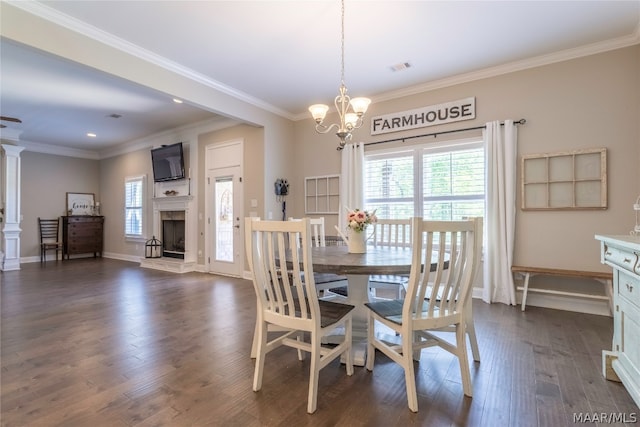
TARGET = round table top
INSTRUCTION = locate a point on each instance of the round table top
(377, 260)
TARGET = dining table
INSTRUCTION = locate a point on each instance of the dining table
(357, 267)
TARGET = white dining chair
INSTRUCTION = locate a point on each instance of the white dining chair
(397, 233)
(390, 233)
(324, 281)
(446, 255)
(287, 302)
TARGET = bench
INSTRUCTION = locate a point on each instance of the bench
(527, 272)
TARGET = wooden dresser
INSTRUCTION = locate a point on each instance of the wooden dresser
(622, 363)
(82, 234)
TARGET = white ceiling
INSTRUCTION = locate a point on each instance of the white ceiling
(286, 55)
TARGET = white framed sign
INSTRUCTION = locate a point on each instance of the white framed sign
(449, 112)
(80, 204)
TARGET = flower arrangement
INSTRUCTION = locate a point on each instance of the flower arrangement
(358, 220)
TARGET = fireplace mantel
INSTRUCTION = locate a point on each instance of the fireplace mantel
(161, 201)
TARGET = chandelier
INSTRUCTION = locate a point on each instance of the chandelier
(349, 110)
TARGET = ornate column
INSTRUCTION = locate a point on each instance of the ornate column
(10, 207)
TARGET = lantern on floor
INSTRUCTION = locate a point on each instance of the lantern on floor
(153, 248)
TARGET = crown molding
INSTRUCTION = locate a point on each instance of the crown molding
(80, 27)
(538, 61)
(149, 141)
(130, 146)
(37, 147)
(66, 21)
(10, 134)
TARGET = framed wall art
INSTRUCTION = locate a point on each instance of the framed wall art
(322, 194)
(80, 203)
(565, 180)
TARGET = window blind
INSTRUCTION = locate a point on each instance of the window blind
(432, 182)
(133, 206)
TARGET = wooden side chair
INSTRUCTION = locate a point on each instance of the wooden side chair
(390, 233)
(446, 255)
(49, 237)
(287, 302)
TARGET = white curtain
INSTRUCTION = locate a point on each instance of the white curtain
(500, 153)
(351, 181)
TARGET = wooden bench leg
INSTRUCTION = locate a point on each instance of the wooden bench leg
(524, 292)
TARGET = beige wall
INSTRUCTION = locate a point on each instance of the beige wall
(583, 103)
(114, 171)
(45, 180)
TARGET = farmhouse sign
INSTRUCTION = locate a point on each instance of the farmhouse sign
(449, 112)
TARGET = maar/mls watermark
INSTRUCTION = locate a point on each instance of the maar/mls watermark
(605, 417)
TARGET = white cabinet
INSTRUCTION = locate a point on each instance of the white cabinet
(623, 254)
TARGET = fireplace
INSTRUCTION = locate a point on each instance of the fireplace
(173, 234)
(174, 224)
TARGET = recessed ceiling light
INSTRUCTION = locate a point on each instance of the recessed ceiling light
(401, 66)
(177, 101)
(91, 135)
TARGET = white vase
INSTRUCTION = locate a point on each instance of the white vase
(357, 242)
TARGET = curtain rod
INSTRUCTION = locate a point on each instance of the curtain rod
(435, 134)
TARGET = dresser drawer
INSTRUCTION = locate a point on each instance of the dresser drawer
(83, 248)
(629, 288)
(625, 259)
(84, 220)
(82, 234)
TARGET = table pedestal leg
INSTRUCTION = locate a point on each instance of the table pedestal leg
(358, 295)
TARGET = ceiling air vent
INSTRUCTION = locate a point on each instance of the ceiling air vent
(401, 66)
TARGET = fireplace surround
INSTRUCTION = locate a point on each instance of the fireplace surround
(174, 224)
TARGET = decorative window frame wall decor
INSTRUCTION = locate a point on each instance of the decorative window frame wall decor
(322, 194)
(570, 180)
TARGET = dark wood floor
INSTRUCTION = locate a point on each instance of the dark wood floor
(106, 343)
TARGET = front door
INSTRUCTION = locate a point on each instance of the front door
(225, 221)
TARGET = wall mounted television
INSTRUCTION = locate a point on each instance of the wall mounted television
(168, 162)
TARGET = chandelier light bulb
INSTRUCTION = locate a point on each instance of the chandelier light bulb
(350, 120)
(360, 105)
(319, 112)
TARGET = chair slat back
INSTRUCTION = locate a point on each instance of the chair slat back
(392, 232)
(49, 230)
(317, 230)
(446, 255)
(278, 284)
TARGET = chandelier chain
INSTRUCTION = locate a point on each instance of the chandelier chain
(342, 41)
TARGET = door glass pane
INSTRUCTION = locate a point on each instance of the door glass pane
(224, 219)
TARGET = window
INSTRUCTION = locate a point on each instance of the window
(438, 182)
(134, 206)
